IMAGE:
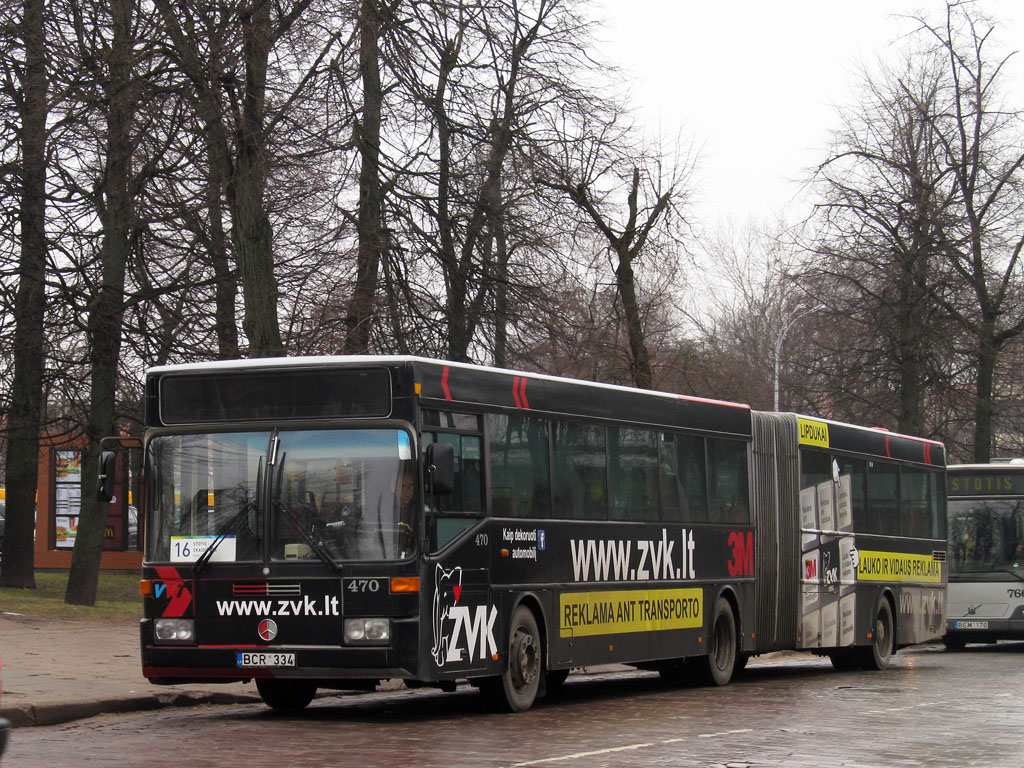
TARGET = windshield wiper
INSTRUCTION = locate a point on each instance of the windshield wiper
(314, 544)
(232, 524)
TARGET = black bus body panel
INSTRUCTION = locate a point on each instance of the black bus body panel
(604, 592)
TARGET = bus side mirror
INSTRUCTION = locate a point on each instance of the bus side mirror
(440, 469)
(108, 470)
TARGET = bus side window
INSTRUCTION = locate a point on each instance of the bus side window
(936, 505)
(728, 497)
(883, 498)
(914, 517)
(455, 512)
(519, 468)
(580, 474)
(855, 468)
(683, 479)
(633, 465)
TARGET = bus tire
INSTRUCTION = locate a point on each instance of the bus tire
(676, 673)
(555, 678)
(717, 667)
(883, 635)
(954, 643)
(517, 688)
(741, 663)
(844, 660)
(285, 694)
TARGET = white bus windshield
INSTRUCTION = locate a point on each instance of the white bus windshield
(335, 495)
(986, 535)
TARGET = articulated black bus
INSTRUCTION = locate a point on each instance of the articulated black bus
(332, 522)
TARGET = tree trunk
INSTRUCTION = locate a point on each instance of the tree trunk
(639, 358)
(251, 230)
(26, 404)
(226, 288)
(911, 356)
(369, 224)
(107, 307)
(983, 410)
(501, 315)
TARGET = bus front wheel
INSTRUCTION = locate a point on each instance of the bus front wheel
(883, 645)
(954, 643)
(556, 677)
(285, 694)
(516, 689)
(717, 667)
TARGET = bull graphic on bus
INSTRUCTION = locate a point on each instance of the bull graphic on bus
(459, 635)
(447, 591)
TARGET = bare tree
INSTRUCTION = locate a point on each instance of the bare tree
(749, 300)
(875, 256)
(654, 201)
(24, 415)
(116, 207)
(370, 216)
(980, 140)
(233, 110)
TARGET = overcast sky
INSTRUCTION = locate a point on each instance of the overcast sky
(758, 84)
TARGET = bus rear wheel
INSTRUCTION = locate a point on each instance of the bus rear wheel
(883, 645)
(516, 689)
(285, 694)
(717, 667)
(844, 660)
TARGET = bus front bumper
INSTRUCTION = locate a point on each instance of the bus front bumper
(198, 664)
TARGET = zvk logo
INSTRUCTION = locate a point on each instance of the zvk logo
(456, 629)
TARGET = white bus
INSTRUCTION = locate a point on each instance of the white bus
(985, 599)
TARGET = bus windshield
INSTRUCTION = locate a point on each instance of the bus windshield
(334, 495)
(986, 535)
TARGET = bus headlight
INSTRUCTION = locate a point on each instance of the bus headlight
(174, 631)
(367, 631)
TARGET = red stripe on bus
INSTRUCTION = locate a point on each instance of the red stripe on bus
(515, 392)
(180, 598)
(444, 384)
(522, 393)
(711, 401)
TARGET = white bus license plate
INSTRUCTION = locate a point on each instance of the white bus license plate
(971, 625)
(264, 659)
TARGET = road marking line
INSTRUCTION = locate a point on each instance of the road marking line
(578, 755)
(723, 733)
(627, 748)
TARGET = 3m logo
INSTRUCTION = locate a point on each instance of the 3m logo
(810, 569)
(811, 432)
(742, 562)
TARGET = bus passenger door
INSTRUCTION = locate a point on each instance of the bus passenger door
(463, 621)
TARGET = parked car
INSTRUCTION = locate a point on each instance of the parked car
(133, 528)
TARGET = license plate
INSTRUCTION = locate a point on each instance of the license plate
(265, 659)
(971, 625)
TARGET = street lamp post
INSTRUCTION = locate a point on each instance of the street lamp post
(800, 312)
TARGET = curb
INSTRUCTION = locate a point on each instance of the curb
(58, 713)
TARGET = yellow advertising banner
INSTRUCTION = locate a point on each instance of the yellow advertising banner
(898, 566)
(635, 610)
(812, 432)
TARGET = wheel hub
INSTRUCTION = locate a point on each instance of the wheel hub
(525, 660)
